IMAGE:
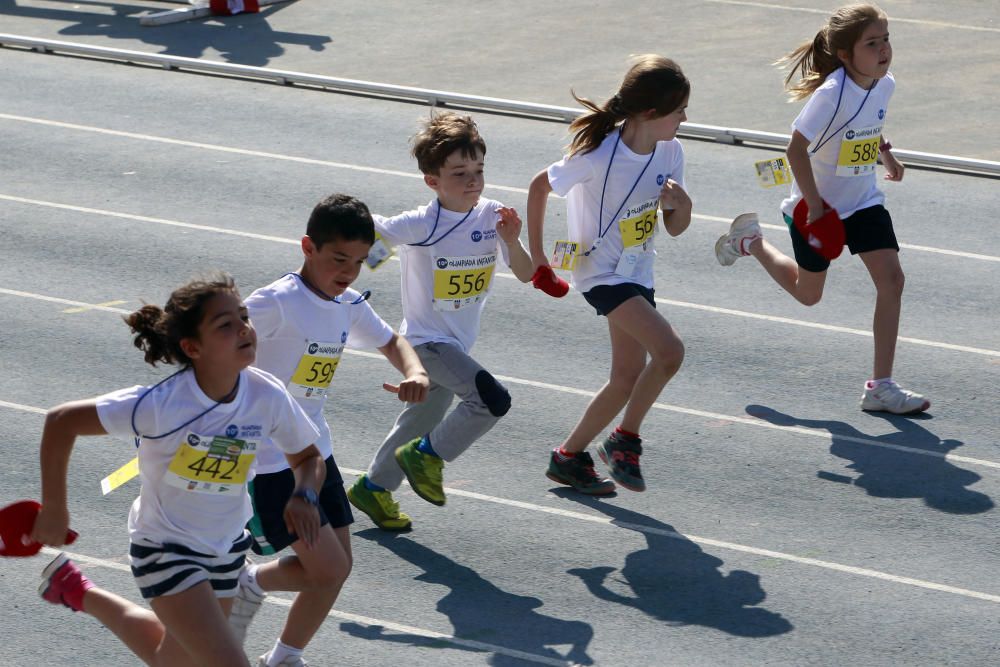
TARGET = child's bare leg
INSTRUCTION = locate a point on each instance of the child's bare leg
(628, 359)
(318, 573)
(638, 320)
(805, 286)
(137, 627)
(197, 630)
(887, 274)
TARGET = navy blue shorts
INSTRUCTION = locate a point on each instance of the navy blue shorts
(605, 298)
(270, 493)
(865, 230)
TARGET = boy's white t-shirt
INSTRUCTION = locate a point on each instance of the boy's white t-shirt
(441, 281)
(296, 329)
(165, 513)
(581, 178)
(845, 193)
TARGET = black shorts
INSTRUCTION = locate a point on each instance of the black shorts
(866, 230)
(270, 493)
(605, 298)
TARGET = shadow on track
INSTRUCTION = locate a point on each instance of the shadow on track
(245, 39)
(675, 581)
(479, 611)
(884, 472)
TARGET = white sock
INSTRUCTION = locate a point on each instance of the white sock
(248, 579)
(280, 652)
(871, 384)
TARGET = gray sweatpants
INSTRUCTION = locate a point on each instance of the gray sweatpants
(452, 373)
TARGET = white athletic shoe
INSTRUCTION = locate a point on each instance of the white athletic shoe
(890, 397)
(287, 662)
(246, 604)
(736, 242)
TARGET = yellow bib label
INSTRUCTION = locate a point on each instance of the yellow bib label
(379, 254)
(859, 152)
(211, 464)
(462, 281)
(773, 172)
(315, 371)
(637, 229)
(566, 255)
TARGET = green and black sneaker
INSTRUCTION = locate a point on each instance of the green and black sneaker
(378, 505)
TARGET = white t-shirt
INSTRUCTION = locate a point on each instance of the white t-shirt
(171, 508)
(847, 134)
(581, 178)
(300, 338)
(445, 283)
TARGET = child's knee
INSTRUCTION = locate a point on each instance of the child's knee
(669, 356)
(494, 395)
(892, 283)
(332, 575)
(809, 298)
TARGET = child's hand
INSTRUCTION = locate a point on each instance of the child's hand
(51, 526)
(673, 197)
(302, 519)
(509, 225)
(411, 390)
(893, 168)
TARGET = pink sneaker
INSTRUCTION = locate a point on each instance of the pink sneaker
(63, 583)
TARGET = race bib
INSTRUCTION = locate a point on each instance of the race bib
(859, 152)
(460, 282)
(566, 255)
(315, 371)
(638, 232)
(211, 464)
(379, 253)
(773, 172)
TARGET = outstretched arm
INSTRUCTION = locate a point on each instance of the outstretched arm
(413, 387)
(63, 424)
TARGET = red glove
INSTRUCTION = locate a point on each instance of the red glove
(546, 280)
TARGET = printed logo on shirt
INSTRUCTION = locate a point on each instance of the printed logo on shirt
(232, 431)
(881, 114)
(251, 431)
(659, 179)
(442, 263)
(343, 337)
(477, 235)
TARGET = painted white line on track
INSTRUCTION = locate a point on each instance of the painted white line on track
(670, 302)
(825, 435)
(355, 618)
(384, 172)
(731, 546)
(652, 530)
(827, 12)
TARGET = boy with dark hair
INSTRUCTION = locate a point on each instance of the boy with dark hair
(304, 320)
(448, 254)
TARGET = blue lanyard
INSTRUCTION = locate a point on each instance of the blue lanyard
(427, 241)
(364, 296)
(823, 139)
(135, 408)
(601, 229)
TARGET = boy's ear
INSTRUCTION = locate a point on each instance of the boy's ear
(308, 247)
(431, 180)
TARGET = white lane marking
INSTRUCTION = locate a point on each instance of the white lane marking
(756, 551)
(731, 546)
(827, 12)
(373, 170)
(355, 618)
(827, 327)
(669, 302)
(691, 412)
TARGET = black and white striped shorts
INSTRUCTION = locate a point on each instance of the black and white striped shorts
(166, 569)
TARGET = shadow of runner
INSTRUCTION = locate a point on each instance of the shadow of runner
(675, 581)
(885, 472)
(244, 39)
(479, 611)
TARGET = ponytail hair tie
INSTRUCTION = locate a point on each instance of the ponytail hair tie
(615, 105)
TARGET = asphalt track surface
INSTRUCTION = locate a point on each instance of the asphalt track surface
(782, 526)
